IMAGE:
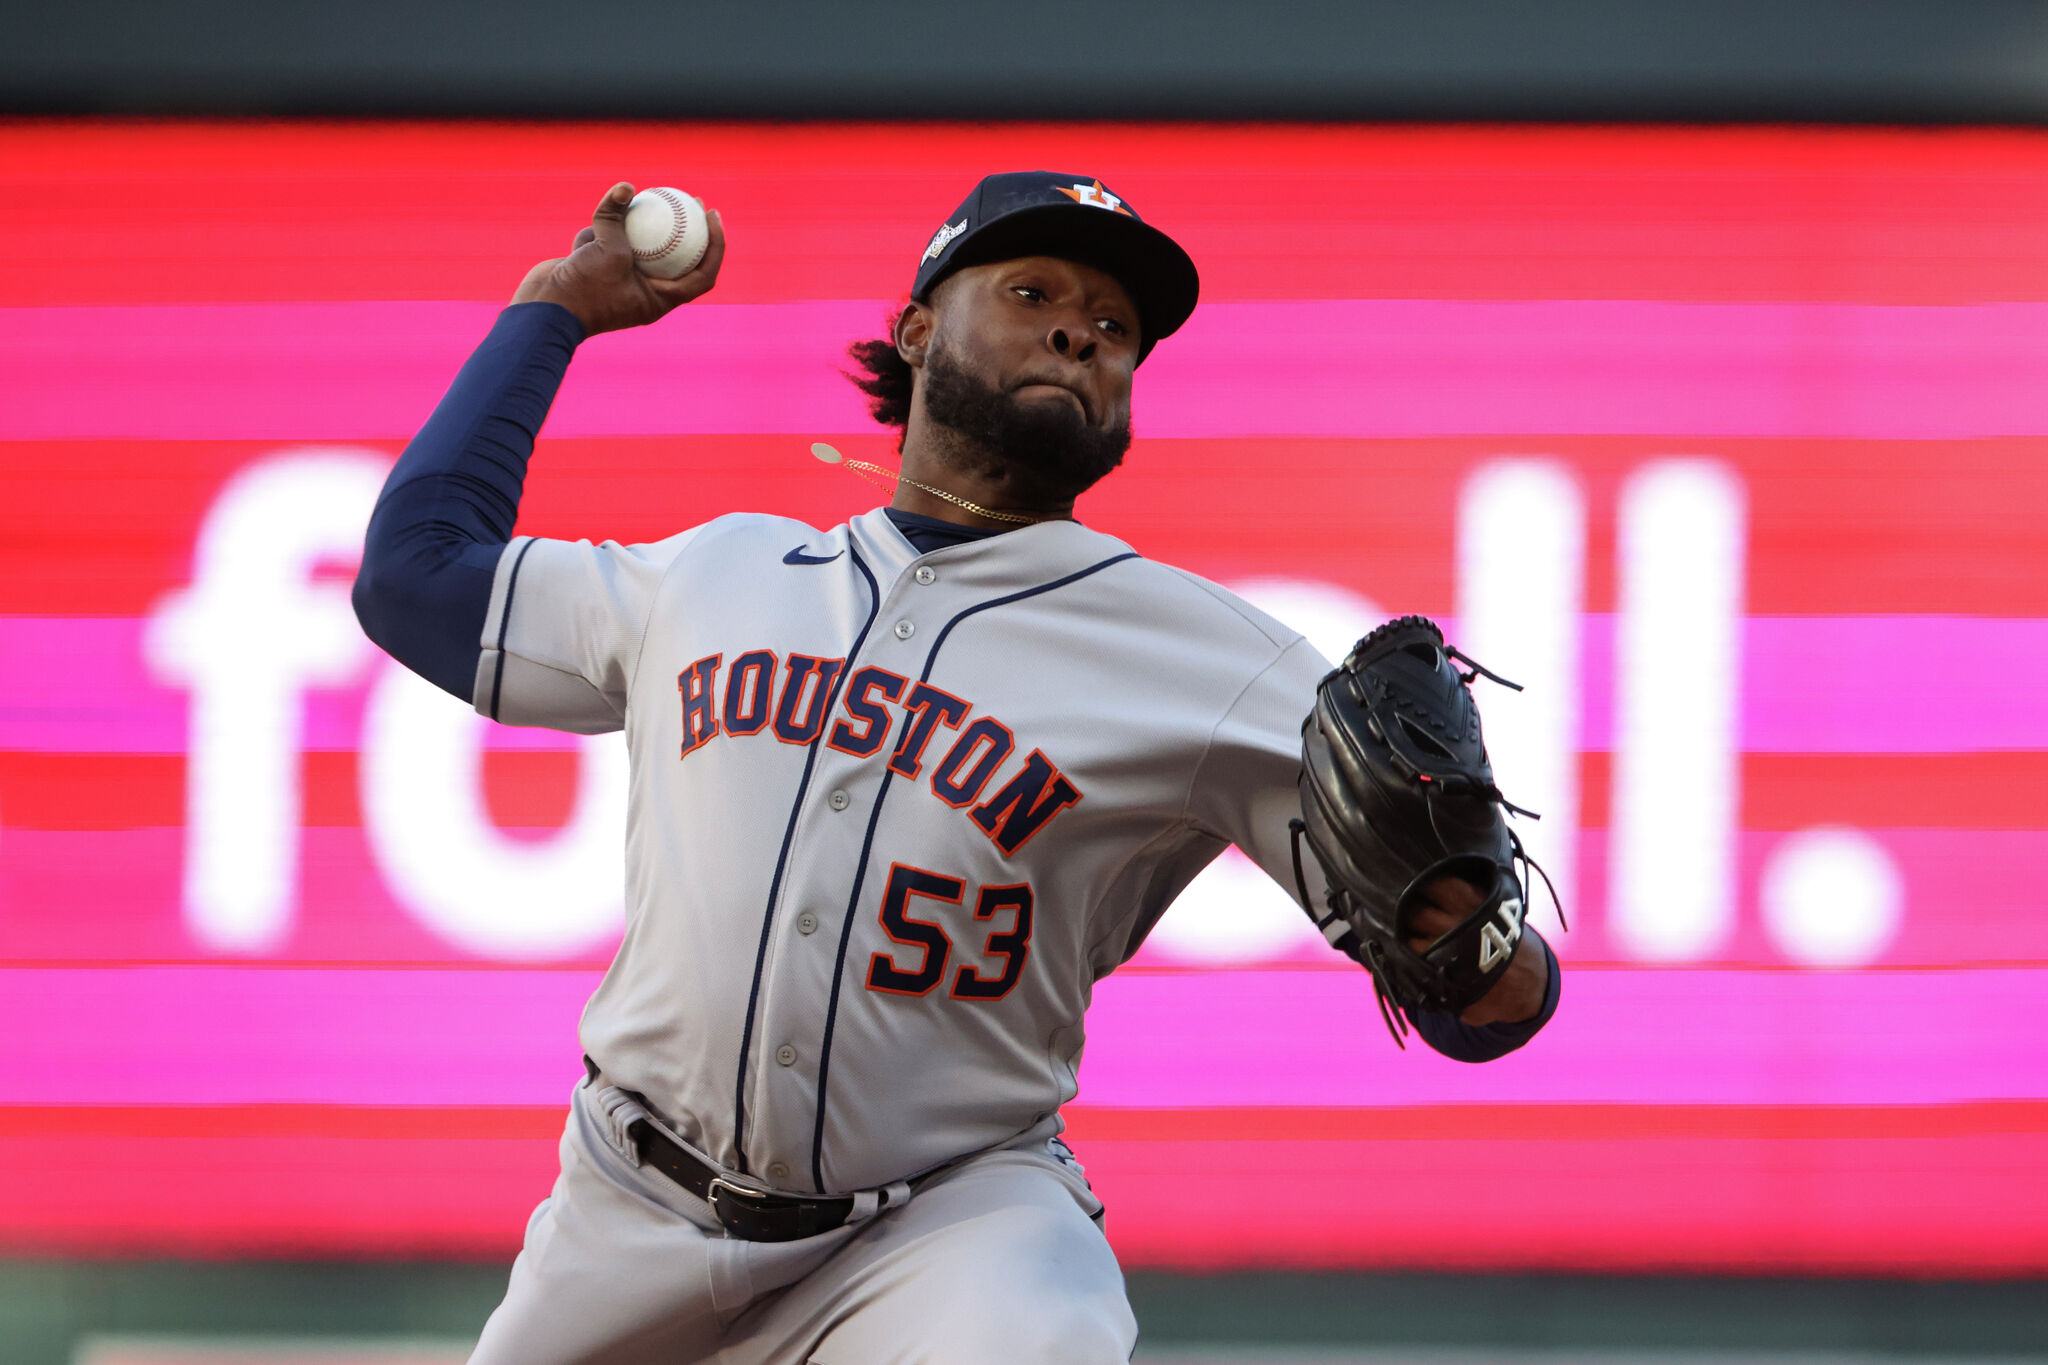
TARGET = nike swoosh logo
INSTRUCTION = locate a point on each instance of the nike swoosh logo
(799, 557)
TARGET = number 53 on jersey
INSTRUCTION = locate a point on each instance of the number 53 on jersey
(1001, 917)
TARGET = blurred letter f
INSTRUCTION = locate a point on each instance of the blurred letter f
(249, 636)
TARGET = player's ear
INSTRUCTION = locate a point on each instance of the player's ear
(914, 333)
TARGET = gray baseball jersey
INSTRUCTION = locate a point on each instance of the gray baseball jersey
(892, 815)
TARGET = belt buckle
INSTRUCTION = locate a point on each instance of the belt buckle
(750, 1202)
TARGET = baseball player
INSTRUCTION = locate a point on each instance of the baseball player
(902, 791)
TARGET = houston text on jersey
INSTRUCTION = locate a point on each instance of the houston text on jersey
(790, 697)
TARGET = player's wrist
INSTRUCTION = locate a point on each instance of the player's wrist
(552, 315)
(542, 286)
(1521, 992)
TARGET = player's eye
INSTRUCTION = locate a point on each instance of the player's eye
(1114, 327)
(1030, 292)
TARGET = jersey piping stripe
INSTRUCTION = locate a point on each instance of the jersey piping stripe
(504, 624)
(860, 870)
(803, 787)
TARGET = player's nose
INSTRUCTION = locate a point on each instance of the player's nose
(1070, 344)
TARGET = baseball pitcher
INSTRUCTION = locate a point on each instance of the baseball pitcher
(902, 792)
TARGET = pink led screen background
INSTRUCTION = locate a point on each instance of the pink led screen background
(1729, 443)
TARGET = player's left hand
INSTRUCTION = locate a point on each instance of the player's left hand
(598, 282)
(1518, 995)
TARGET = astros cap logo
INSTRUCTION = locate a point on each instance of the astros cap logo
(944, 235)
(1095, 197)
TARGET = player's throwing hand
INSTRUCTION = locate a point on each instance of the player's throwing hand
(598, 282)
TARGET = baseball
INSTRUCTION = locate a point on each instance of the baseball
(668, 232)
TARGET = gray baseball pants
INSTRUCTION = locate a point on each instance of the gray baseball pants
(997, 1261)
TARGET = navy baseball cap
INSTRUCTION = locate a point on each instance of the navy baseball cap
(1045, 213)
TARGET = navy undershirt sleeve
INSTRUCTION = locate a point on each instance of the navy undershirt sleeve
(448, 507)
(1465, 1042)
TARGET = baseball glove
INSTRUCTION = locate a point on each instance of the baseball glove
(1396, 792)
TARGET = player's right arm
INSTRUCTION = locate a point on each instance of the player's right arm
(431, 558)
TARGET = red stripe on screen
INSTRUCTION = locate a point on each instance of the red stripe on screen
(1973, 1205)
(264, 1195)
(535, 789)
(1865, 1190)
(459, 211)
(1092, 1123)
(1377, 368)
(524, 789)
(103, 528)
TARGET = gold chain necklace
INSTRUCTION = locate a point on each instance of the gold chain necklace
(868, 471)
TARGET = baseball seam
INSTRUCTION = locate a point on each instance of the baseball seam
(681, 224)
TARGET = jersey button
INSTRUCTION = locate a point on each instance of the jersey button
(905, 629)
(807, 923)
(786, 1055)
(778, 1170)
(926, 574)
(839, 800)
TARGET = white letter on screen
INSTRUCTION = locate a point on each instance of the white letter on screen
(1521, 589)
(1681, 546)
(250, 635)
(445, 860)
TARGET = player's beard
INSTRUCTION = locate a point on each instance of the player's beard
(1047, 453)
